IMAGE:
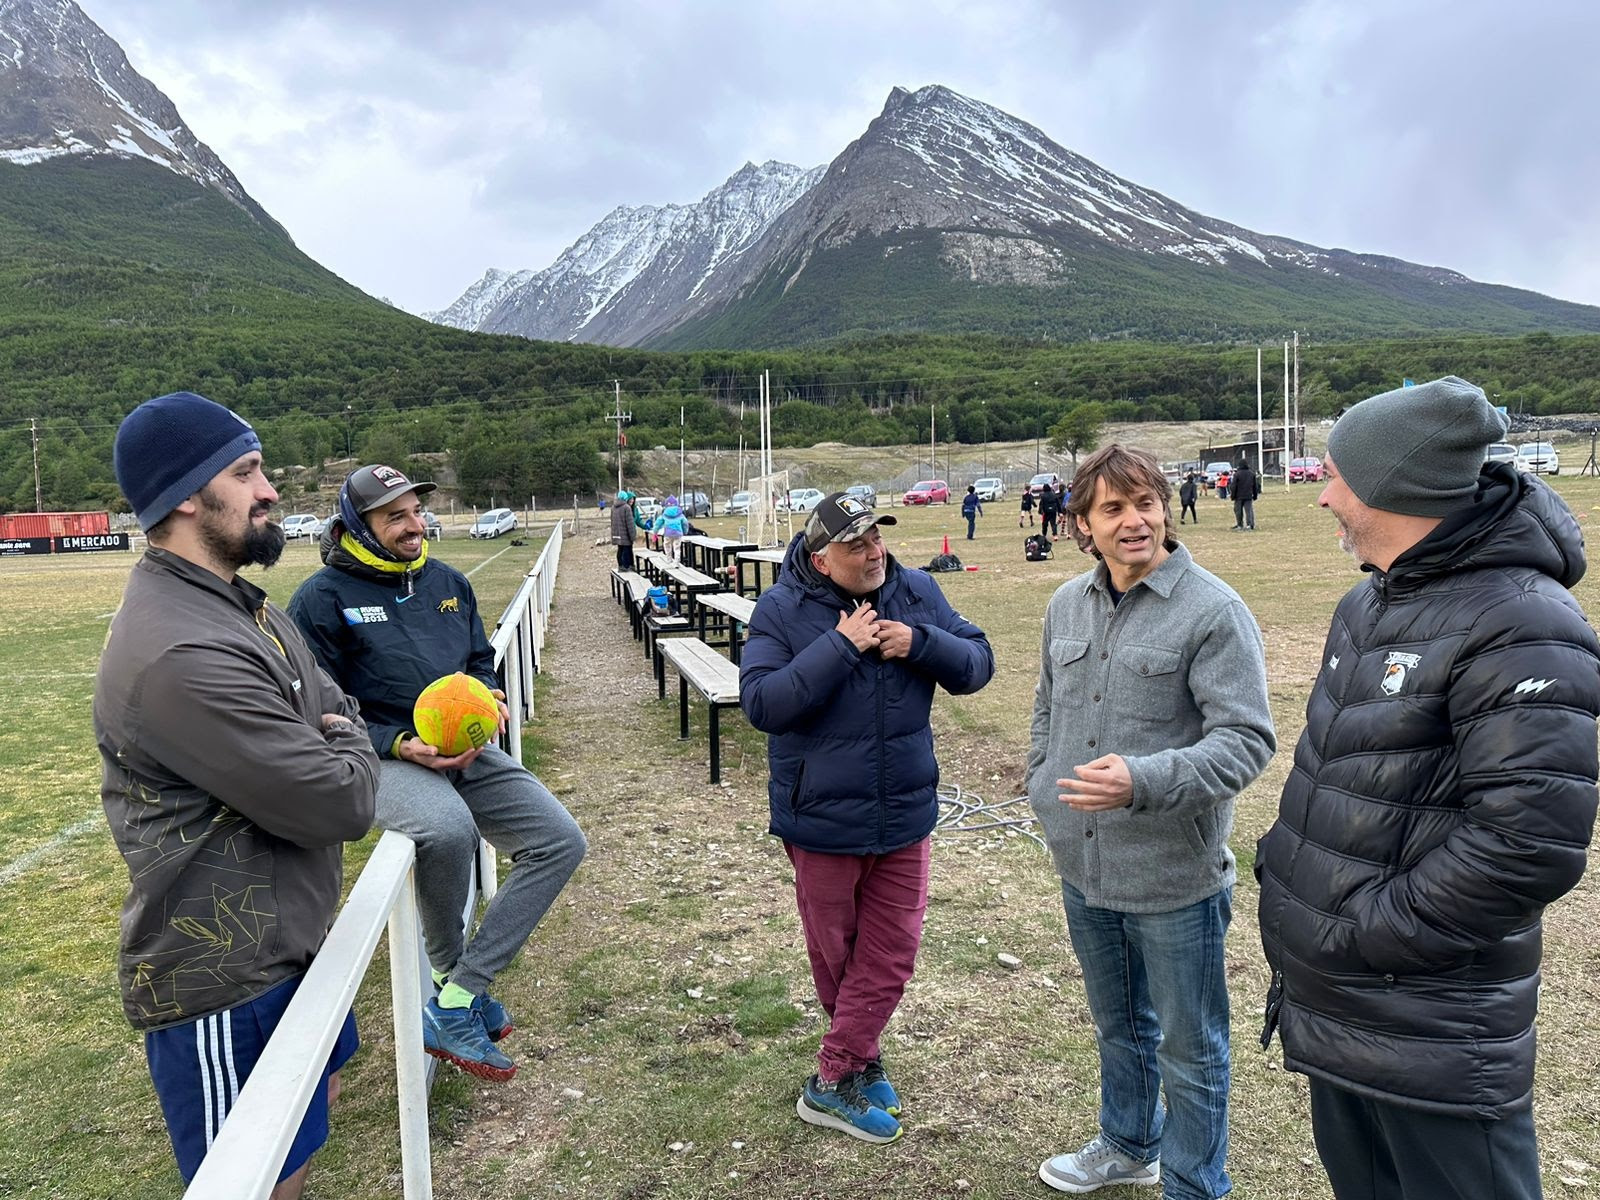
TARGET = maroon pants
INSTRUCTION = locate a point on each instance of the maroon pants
(862, 915)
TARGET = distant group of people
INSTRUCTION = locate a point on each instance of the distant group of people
(667, 528)
(1242, 483)
(1442, 793)
(1051, 501)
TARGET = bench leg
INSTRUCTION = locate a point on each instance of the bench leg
(661, 676)
(716, 746)
(683, 708)
(735, 641)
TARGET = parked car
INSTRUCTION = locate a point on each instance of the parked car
(863, 492)
(1305, 470)
(991, 487)
(431, 528)
(801, 499)
(303, 525)
(493, 523)
(695, 504)
(929, 491)
(1538, 458)
(1214, 470)
(648, 507)
(1043, 480)
(1501, 452)
(738, 504)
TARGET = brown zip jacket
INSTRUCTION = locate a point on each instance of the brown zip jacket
(225, 797)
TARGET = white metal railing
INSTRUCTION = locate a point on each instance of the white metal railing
(244, 1160)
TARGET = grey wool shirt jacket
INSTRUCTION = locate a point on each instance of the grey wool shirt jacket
(1174, 680)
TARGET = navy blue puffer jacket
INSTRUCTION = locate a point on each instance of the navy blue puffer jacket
(851, 750)
(1442, 794)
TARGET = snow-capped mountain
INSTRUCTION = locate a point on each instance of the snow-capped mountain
(949, 214)
(66, 88)
(636, 269)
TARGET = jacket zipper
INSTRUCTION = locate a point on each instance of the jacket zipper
(1273, 1010)
(883, 817)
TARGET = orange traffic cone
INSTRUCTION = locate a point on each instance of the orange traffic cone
(947, 543)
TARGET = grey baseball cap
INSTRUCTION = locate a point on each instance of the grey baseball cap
(373, 487)
(840, 517)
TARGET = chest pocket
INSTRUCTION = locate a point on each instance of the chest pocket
(1069, 669)
(1148, 684)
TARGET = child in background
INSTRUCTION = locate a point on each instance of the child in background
(672, 525)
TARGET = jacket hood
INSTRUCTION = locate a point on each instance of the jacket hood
(811, 582)
(1515, 520)
(344, 551)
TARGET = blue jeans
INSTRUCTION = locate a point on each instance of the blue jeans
(1159, 996)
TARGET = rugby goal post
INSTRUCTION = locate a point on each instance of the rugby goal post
(765, 515)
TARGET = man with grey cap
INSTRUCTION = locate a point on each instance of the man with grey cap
(234, 770)
(844, 653)
(1442, 794)
(387, 620)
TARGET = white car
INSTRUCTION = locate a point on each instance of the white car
(648, 507)
(801, 499)
(738, 504)
(493, 523)
(303, 525)
(992, 488)
(1500, 452)
(1538, 458)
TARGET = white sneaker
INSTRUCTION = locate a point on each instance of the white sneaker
(1097, 1165)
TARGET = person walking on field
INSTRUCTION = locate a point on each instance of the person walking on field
(1186, 496)
(1245, 487)
(1049, 511)
(1027, 507)
(843, 656)
(1150, 717)
(622, 529)
(1442, 794)
(971, 509)
(233, 772)
(386, 620)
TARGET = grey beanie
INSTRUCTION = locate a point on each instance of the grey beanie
(1416, 450)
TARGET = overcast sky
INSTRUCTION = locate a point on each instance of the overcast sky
(409, 145)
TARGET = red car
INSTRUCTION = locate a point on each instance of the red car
(1305, 470)
(929, 491)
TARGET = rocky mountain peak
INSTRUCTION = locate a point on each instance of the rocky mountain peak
(67, 88)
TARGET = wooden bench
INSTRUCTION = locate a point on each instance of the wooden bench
(686, 583)
(638, 588)
(755, 558)
(622, 582)
(713, 676)
(649, 563)
(733, 616)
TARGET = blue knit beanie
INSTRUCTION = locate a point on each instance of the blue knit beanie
(169, 448)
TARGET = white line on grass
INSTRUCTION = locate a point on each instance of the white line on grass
(24, 863)
(485, 563)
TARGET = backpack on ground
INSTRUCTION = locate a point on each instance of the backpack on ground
(944, 562)
(1036, 547)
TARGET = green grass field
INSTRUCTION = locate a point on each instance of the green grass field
(664, 1008)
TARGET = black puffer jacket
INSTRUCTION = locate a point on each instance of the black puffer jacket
(1442, 794)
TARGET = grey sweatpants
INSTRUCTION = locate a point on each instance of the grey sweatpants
(444, 812)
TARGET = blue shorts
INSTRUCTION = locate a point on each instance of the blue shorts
(198, 1068)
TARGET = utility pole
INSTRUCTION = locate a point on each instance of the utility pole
(38, 494)
(1299, 441)
(619, 417)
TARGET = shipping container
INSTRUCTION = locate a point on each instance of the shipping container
(54, 524)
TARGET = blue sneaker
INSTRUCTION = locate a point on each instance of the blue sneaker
(497, 1021)
(457, 1035)
(879, 1091)
(845, 1107)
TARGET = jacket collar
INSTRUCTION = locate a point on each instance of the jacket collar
(240, 591)
(1161, 581)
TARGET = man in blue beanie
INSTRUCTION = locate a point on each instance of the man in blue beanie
(234, 770)
(1443, 793)
(386, 621)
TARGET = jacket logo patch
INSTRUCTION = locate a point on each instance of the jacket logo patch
(1333, 663)
(451, 605)
(1532, 687)
(1394, 671)
(366, 614)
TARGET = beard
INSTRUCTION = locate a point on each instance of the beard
(252, 546)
